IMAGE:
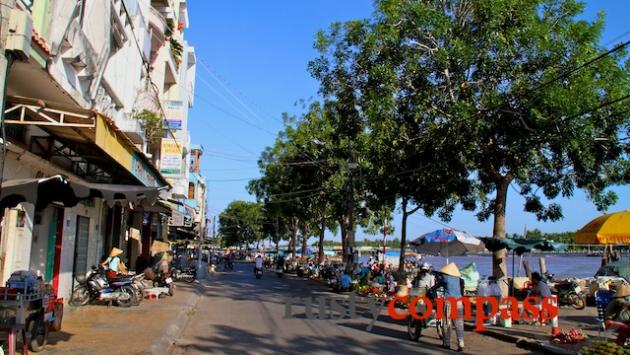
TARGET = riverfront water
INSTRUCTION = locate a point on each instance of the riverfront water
(562, 265)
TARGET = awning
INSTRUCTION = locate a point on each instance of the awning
(160, 206)
(42, 192)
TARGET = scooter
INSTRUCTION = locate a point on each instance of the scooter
(415, 326)
(568, 292)
(258, 272)
(164, 280)
(94, 287)
(188, 274)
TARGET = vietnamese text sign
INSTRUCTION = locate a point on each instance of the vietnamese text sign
(171, 162)
(174, 114)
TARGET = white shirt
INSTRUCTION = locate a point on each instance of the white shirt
(259, 263)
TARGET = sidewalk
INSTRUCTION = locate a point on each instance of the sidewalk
(149, 328)
(539, 338)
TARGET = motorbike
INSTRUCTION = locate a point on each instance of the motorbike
(568, 292)
(188, 274)
(415, 326)
(164, 279)
(94, 287)
(228, 265)
(135, 281)
(258, 272)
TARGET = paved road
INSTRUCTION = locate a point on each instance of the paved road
(241, 314)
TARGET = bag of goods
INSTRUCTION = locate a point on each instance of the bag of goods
(570, 336)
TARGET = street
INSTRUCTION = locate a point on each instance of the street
(238, 313)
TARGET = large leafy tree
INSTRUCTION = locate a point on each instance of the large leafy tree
(516, 91)
(241, 223)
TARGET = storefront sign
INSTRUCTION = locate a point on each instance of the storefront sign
(174, 114)
(176, 219)
(171, 162)
(141, 170)
(173, 124)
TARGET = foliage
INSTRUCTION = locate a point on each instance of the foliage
(153, 125)
(176, 50)
(478, 90)
(241, 223)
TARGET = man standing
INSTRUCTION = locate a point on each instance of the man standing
(453, 285)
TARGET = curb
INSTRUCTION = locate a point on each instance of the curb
(166, 343)
(521, 342)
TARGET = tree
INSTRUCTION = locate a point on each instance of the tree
(507, 90)
(514, 85)
(241, 223)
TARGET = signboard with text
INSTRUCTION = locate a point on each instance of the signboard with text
(171, 161)
(174, 114)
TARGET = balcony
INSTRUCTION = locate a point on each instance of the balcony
(158, 23)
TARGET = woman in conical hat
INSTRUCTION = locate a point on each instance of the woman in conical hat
(115, 252)
(617, 314)
(451, 269)
(453, 286)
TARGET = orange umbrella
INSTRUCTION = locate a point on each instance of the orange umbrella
(612, 228)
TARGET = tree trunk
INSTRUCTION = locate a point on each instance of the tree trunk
(322, 231)
(306, 231)
(403, 237)
(294, 230)
(344, 241)
(499, 257)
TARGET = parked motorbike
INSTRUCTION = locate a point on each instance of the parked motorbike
(164, 280)
(188, 274)
(94, 287)
(135, 281)
(568, 292)
(258, 272)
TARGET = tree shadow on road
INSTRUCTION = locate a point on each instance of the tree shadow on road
(231, 340)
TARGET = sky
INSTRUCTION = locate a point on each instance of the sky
(252, 58)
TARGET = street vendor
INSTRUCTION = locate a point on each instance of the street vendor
(450, 279)
(617, 316)
(113, 264)
(618, 308)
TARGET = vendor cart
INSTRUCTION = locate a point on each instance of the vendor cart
(28, 310)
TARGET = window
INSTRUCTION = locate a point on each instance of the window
(191, 190)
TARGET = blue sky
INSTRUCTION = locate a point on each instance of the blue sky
(252, 58)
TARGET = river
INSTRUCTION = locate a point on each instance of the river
(562, 265)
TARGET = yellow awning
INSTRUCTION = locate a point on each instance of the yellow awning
(612, 228)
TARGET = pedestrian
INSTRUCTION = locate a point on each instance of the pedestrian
(541, 290)
(453, 287)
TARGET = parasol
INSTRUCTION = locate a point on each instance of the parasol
(612, 228)
(447, 242)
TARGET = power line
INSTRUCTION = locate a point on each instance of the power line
(587, 63)
(226, 88)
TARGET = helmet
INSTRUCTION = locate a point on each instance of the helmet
(425, 266)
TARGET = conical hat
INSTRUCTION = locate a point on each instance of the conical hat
(450, 269)
(622, 291)
(115, 252)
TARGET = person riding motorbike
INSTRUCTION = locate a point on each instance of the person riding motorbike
(258, 262)
(425, 278)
